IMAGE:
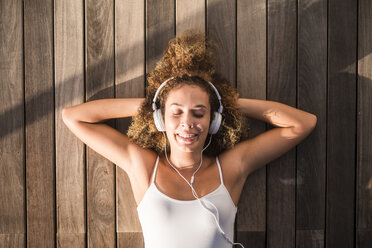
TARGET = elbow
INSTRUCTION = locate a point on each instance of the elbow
(309, 124)
(312, 121)
(66, 116)
(306, 127)
(315, 119)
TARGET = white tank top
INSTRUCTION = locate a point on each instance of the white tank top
(168, 223)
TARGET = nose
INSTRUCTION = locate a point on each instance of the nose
(187, 122)
(187, 126)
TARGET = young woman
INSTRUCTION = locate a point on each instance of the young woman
(186, 196)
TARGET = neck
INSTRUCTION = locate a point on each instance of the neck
(185, 160)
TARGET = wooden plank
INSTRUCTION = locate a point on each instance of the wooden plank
(252, 204)
(130, 71)
(251, 83)
(310, 238)
(251, 49)
(129, 232)
(100, 72)
(341, 120)
(12, 240)
(70, 166)
(251, 239)
(12, 183)
(160, 28)
(364, 131)
(130, 239)
(39, 96)
(281, 86)
(190, 15)
(364, 238)
(129, 49)
(312, 97)
(68, 240)
(221, 25)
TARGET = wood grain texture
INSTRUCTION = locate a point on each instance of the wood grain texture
(363, 238)
(343, 129)
(251, 216)
(364, 130)
(71, 240)
(341, 120)
(39, 94)
(129, 48)
(310, 238)
(130, 70)
(160, 28)
(221, 27)
(70, 164)
(12, 240)
(281, 86)
(129, 229)
(190, 15)
(130, 239)
(251, 49)
(251, 239)
(312, 97)
(251, 83)
(100, 72)
(12, 183)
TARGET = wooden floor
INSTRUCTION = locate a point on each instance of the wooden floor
(315, 55)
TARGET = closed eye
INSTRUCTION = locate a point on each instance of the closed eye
(198, 115)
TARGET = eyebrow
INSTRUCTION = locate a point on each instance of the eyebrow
(197, 106)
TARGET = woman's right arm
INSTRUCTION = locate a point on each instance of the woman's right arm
(84, 121)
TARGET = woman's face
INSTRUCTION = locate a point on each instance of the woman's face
(187, 118)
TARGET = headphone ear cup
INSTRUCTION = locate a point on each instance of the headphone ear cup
(158, 119)
(216, 123)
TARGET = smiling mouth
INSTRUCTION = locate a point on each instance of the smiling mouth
(187, 138)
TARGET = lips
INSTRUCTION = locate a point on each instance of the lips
(187, 137)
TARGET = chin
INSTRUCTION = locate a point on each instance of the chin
(189, 145)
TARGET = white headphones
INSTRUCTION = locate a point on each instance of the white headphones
(158, 117)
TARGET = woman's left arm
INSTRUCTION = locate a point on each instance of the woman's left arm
(278, 114)
(292, 126)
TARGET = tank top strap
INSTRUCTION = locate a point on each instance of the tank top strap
(219, 169)
(155, 168)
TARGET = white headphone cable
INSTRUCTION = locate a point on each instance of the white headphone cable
(194, 192)
(201, 159)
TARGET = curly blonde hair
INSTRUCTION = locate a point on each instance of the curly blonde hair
(190, 59)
